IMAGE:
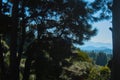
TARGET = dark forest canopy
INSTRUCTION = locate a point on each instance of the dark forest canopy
(68, 19)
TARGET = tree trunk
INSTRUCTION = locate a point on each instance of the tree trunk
(0, 6)
(115, 71)
(26, 73)
(22, 39)
(14, 69)
(2, 65)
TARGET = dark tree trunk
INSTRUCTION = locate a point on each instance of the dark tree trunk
(2, 65)
(115, 71)
(0, 6)
(14, 69)
(26, 73)
(29, 57)
(22, 39)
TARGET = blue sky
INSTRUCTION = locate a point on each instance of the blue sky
(103, 37)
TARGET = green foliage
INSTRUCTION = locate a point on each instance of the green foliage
(101, 59)
(66, 18)
(105, 73)
(85, 71)
(99, 73)
(6, 52)
(79, 55)
(77, 71)
(92, 55)
(46, 67)
(109, 57)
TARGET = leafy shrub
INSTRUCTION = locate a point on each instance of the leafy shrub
(81, 56)
(77, 71)
(85, 71)
(99, 73)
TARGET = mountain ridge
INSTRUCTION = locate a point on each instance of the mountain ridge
(97, 47)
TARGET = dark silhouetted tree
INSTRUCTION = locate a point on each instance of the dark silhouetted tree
(101, 59)
(14, 68)
(116, 41)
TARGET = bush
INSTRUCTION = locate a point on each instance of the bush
(99, 73)
(77, 71)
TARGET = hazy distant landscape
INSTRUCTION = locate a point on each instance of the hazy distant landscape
(97, 47)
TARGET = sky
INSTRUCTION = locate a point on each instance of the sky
(104, 35)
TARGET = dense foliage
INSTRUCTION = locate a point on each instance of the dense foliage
(75, 67)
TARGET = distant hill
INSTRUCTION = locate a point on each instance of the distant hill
(97, 49)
